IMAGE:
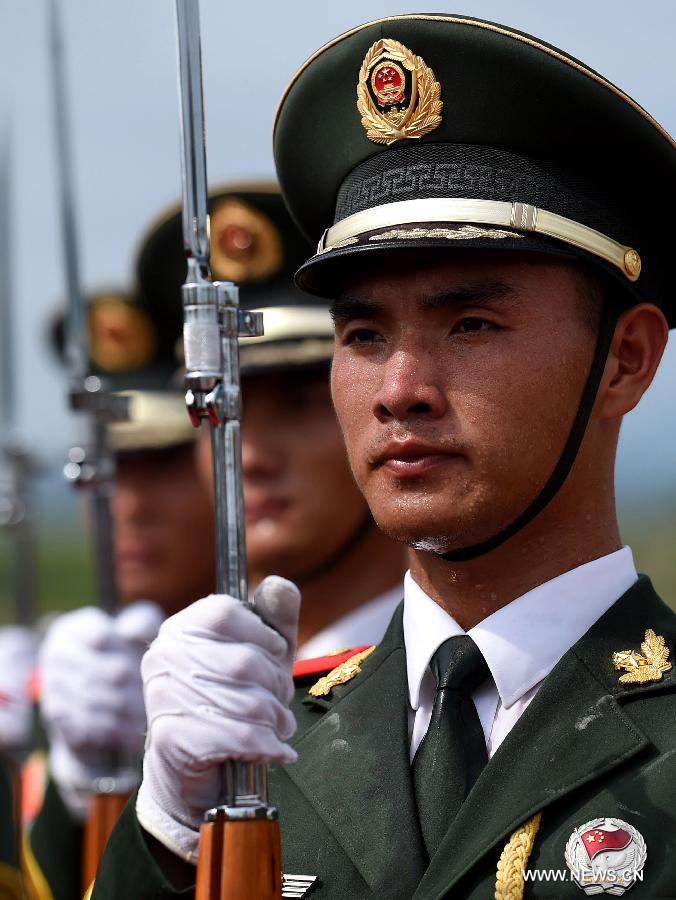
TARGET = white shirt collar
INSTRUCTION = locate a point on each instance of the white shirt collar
(364, 625)
(523, 641)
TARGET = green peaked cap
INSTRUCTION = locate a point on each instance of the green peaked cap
(125, 350)
(254, 243)
(448, 131)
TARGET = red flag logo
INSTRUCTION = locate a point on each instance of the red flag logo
(598, 840)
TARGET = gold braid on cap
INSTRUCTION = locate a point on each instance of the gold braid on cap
(509, 882)
(503, 213)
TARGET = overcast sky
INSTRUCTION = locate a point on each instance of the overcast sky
(122, 82)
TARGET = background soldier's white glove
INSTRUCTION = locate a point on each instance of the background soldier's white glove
(92, 694)
(18, 649)
(218, 683)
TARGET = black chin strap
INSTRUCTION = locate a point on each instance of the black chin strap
(363, 527)
(570, 451)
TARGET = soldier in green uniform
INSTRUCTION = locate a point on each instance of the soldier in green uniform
(493, 227)
(306, 518)
(163, 546)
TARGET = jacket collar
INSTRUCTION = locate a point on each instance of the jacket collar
(545, 613)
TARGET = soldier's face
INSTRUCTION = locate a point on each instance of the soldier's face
(162, 528)
(301, 501)
(456, 382)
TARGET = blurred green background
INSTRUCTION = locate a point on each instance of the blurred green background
(65, 578)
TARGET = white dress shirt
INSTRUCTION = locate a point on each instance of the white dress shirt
(521, 643)
(364, 625)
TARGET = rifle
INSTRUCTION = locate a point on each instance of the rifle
(15, 491)
(91, 465)
(239, 851)
(15, 498)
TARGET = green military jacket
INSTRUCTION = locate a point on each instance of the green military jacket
(586, 747)
(10, 879)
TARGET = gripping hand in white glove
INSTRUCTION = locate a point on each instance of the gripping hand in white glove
(218, 683)
(92, 694)
(18, 650)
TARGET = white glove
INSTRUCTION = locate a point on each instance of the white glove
(18, 650)
(92, 694)
(218, 683)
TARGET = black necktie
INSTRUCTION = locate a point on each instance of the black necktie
(453, 752)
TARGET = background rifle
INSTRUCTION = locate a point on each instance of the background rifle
(239, 852)
(19, 467)
(15, 493)
(92, 465)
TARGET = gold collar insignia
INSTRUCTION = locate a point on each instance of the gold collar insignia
(343, 673)
(646, 667)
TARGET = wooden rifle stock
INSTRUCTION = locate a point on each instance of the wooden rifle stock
(239, 860)
(104, 811)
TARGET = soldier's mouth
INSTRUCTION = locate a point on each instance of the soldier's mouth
(410, 458)
(268, 508)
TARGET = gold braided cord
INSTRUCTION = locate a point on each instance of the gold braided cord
(35, 883)
(514, 859)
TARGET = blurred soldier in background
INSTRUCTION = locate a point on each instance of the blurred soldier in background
(18, 648)
(91, 699)
(306, 518)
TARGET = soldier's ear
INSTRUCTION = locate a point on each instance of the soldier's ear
(637, 347)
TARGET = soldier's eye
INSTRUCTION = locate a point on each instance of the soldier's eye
(472, 325)
(362, 336)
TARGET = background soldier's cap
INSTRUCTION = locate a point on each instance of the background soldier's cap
(124, 350)
(255, 244)
(155, 420)
(446, 131)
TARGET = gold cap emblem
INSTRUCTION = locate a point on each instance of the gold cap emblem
(245, 244)
(646, 667)
(121, 336)
(397, 94)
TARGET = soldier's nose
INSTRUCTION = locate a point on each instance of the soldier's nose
(408, 392)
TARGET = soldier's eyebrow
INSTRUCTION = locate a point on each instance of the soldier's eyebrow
(475, 292)
(345, 308)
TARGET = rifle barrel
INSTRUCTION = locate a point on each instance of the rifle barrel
(193, 142)
(7, 360)
(76, 336)
(87, 393)
(212, 325)
(15, 514)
